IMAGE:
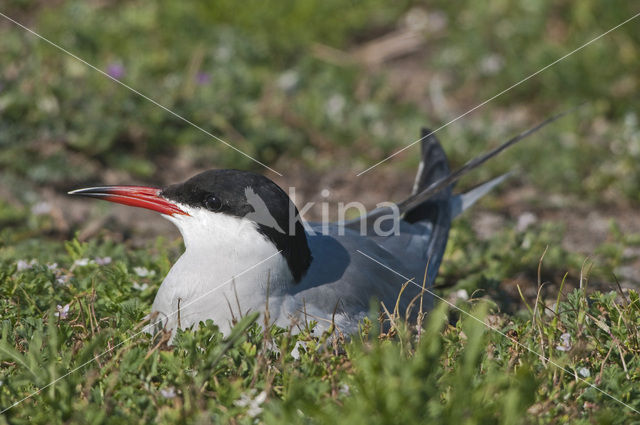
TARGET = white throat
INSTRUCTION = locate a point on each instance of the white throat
(226, 270)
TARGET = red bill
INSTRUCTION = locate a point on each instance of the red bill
(135, 196)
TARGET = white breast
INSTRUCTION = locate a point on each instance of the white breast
(226, 271)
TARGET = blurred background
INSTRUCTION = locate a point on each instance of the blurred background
(320, 91)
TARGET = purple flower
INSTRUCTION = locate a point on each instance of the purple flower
(115, 70)
(203, 78)
(103, 261)
(62, 312)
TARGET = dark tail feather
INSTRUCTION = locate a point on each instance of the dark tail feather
(445, 182)
(433, 162)
(433, 168)
(436, 210)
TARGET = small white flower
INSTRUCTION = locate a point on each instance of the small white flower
(143, 271)
(491, 64)
(62, 312)
(103, 261)
(334, 107)
(462, 294)
(261, 397)
(525, 220)
(81, 262)
(223, 53)
(62, 279)
(565, 344)
(139, 287)
(299, 345)
(168, 392)
(24, 265)
(584, 372)
(52, 267)
(245, 400)
(288, 80)
(417, 19)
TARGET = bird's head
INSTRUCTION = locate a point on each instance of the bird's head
(216, 206)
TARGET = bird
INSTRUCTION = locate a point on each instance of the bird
(248, 250)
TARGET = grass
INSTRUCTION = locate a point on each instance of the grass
(80, 305)
(287, 84)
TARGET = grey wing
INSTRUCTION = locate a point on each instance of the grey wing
(348, 272)
(422, 234)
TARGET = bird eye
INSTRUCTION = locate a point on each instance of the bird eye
(212, 203)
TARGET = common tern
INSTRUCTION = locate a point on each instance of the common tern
(246, 247)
